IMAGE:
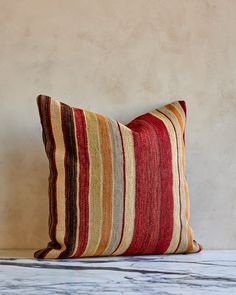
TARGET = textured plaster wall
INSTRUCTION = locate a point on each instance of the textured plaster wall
(120, 58)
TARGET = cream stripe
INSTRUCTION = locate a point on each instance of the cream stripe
(130, 190)
(184, 238)
(176, 222)
(55, 109)
(95, 187)
(177, 105)
(77, 186)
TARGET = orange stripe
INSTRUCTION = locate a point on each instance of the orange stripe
(107, 184)
(177, 114)
(173, 109)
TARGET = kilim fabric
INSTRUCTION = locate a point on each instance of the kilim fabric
(115, 189)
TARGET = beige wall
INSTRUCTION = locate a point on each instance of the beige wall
(120, 58)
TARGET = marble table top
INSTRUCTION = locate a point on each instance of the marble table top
(208, 272)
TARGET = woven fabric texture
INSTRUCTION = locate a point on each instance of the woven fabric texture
(115, 189)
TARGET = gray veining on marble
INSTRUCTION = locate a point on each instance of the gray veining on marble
(209, 272)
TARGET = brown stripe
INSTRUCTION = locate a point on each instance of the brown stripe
(55, 115)
(50, 147)
(70, 179)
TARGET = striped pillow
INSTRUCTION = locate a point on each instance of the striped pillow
(115, 189)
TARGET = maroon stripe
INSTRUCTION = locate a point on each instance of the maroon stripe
(70, 163)
(82, 140)
(50, 148)
(183, 105)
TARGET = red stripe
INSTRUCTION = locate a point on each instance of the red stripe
(147, 199)
(147, 183)
(167, 206)
(180, 205)
(83, 180)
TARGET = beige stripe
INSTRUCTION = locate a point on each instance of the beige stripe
(180, 110)
(191, 244)
(184, 238)
(55, 109)
(130, 190)
(107, 184)
(177, 105)
(117, 190)
(95, 184)
(176, 222)
(77, 200)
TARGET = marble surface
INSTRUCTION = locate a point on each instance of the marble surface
(209, 272)
(119, 58)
